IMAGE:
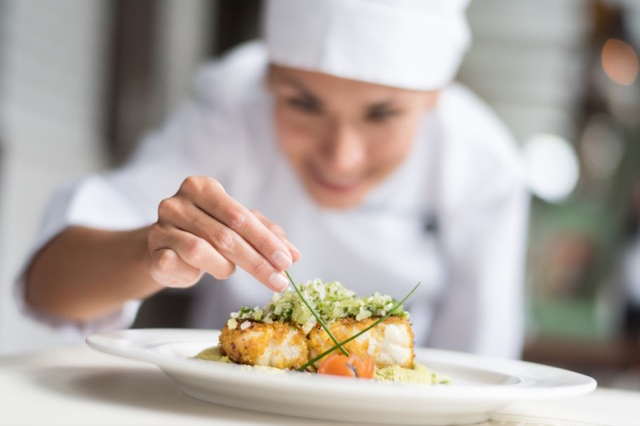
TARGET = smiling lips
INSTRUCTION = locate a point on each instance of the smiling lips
(338, 186)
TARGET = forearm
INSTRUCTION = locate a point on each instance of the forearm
(85, 273)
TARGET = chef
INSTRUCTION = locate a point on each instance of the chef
(338, 147)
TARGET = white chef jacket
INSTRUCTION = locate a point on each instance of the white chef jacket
(452, 216)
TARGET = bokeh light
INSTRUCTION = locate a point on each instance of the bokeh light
(601, 147)
(552, 167)
(620, 62)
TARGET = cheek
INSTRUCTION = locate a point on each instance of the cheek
(392, 145)
(296, 137)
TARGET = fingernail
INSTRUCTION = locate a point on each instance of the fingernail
(278, 282)
(294, 249)
(281, 259)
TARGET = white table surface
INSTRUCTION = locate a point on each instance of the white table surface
(80, 386)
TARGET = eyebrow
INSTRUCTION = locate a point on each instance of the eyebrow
(388, 104)
(292, 81)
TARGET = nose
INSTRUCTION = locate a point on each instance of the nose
(344, 148)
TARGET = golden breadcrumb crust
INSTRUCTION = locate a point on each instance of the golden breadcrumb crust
(371, 343)
(272, 344)
(284, 344)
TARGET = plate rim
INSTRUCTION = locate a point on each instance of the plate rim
(135, 344)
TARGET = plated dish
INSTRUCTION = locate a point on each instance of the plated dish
(479, 385)
(322, 327)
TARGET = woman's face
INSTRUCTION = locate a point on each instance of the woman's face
(343, 136)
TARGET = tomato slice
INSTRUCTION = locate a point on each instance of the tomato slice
(351, 366)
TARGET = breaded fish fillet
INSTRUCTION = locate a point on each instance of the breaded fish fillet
(285, 345)
(389, 343)
(279, 344)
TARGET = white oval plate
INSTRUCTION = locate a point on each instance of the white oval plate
(479, 385)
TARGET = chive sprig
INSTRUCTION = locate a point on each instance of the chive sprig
(328, 351)
(355, 336)
(322, 323)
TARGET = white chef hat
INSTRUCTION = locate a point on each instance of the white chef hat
(412, 44)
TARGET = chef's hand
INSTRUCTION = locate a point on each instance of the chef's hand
(202, 229)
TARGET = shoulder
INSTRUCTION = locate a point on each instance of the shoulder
(475, 128)
(235, 78)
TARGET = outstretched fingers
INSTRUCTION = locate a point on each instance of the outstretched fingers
(277, 229)
(203, 229)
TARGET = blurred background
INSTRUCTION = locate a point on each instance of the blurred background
(82, 80)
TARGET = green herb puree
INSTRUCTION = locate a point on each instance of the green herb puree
(215, 354)
(418, 374)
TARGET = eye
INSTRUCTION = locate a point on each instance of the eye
(305, 105)
(379, 115)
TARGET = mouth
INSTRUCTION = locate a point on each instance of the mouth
(336, 190)
(338, 185)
